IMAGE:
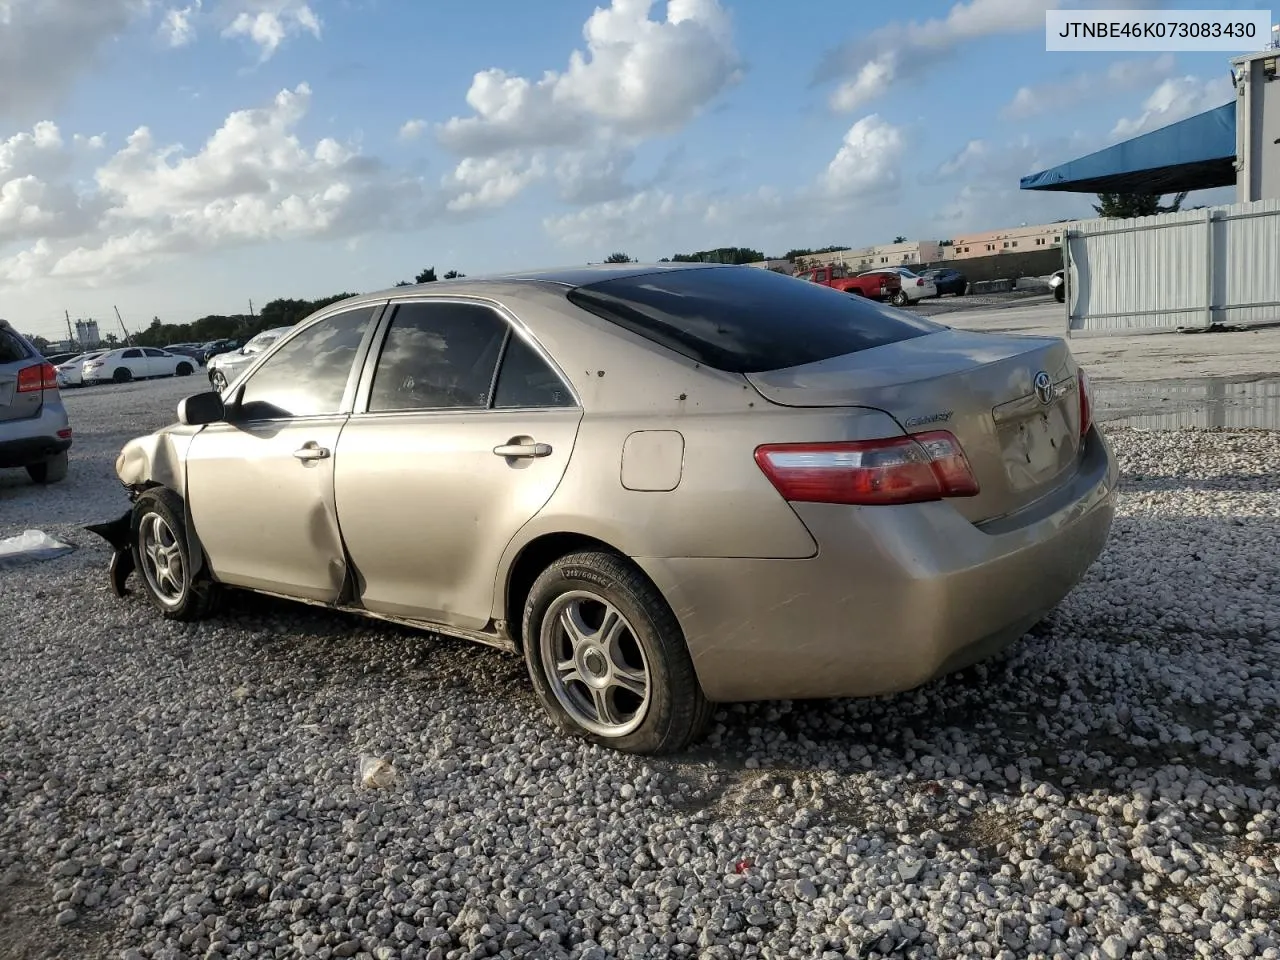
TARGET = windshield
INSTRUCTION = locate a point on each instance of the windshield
(260, 343)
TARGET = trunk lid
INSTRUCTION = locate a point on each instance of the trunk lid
(980, 387)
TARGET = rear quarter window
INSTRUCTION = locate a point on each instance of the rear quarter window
(746, 320)
(11, 348)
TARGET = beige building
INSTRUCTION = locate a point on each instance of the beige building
(909, 254)
(1009, 240)
(777, 266)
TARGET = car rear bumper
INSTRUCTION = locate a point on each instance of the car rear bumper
(895, 597)
(35, 439)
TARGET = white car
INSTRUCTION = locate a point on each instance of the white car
(70, 372)
(914, 287)
(225, 367)
(136, 363)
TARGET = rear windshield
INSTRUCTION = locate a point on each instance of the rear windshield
(744, 319)
(11, 348)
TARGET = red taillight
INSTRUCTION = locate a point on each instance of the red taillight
(41, 377)
(1086, 402)
(64, 433)
(896, 470)
(919, 283)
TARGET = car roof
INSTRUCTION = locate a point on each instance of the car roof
(567, 278)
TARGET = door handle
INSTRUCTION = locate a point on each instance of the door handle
(523, 451)
(310, 451)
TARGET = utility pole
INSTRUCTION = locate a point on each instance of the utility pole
(251, 307)
(127, 339)
(67, 314)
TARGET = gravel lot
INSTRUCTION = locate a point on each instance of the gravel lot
(1106, 789)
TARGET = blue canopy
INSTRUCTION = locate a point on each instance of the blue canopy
(1193, 154)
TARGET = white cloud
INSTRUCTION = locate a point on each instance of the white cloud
(868, 159)
(1067, 92)
(484, 183)
(620, 223)
(872, 63)
(412, 129)
(638, 77)
(267, 23)
(1175, 99)
(46, 44)
(177, 26)
(595, 175)
(252, 181)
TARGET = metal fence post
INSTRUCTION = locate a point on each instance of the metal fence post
(1066, 275)
(1210, 263)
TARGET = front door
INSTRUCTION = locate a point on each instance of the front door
(460, 438)
(260, 485)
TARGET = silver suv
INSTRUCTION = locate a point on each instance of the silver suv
(34, 430)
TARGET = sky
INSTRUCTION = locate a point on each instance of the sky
(181, 159)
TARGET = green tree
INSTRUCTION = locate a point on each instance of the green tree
(426, 276)
(453, 275)
(1122, 206)
(403, 283)
(618, 257)
(720, 255)
(805, 251)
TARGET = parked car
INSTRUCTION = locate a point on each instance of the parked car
(71, 372)
(192, 350)
(649, 480)
(913, 289)
(58, 358)
(224, 368)
(1058, 286)
(136, 363)
(215, 347)
(35, 433)
(880, 286)
(947, 280)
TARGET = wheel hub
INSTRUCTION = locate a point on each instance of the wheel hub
(594, 665)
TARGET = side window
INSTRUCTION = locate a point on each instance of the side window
(11, 348)
(131, 355)
(437, 356)
(525, 380)
(154, 353)
(308, 375)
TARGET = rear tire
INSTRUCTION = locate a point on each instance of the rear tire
(900, 299)
(53, 470)
(122, 375)
(162, 557)
(184, 370)
(612, 635)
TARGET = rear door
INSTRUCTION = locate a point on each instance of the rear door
(461, 433)
(14, 355)
(159, 363)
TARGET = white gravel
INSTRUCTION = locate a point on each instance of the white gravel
(1106, 789)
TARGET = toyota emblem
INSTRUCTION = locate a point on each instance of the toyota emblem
(1043, 387)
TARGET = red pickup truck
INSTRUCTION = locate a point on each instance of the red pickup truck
(876, 286)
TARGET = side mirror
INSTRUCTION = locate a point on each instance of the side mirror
(201, 408)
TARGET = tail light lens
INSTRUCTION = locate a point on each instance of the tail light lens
(919, 283)
(896, 470)
(43, 376)
(1086, 402)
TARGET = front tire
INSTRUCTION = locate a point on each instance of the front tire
(184, 370)
(608, 659)
(218, 380)
(1060, 293)
(53, 470)
(162, 556)
(900, 299)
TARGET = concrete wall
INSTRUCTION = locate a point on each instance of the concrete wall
(1007, 266)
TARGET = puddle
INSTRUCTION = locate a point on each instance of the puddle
(1198, 402)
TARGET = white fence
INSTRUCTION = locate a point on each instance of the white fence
(1175, 271)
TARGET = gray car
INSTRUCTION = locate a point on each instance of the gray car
(34, 430)
(225, 367)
